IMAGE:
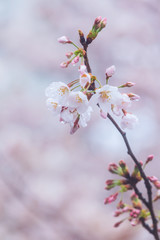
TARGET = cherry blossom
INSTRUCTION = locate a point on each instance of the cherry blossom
(53, 106)
(79, 101)
(108, 95)
(129, 121)
(124, 104)
(59, 91)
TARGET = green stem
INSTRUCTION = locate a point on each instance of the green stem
(75, 45)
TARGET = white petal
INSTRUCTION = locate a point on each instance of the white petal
(85, 117)
(58, 91)
(78, 100)
(129, 121)
(53, 106)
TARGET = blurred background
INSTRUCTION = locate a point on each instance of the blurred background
(52, 183)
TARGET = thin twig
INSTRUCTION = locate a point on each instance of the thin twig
(148, 203)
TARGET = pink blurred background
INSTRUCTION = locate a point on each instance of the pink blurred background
(52, 183)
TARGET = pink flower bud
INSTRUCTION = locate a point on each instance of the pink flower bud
(128, 84)
(133, 97)
(149, 158)
(103, 22)
(111, 198)
(120, 205)
(118, 223)
(135, 213)
(110, 71)
(153, 179)
(117, 213)
(64, 64)
(97, 20)
(75, 60)
(63, 40)
(69, 54)
(113, 168)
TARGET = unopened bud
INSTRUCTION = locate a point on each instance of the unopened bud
(110, 71)
(64, 64)
(152, 179)
(64, 40)
(136, 173)
(135, 213)
(118, 223)
(136, 201)
(149, 158)
(124, 167)
(97, 20)
(113, 183)
(75, 60)
(69, 54)
(103, 22)
(114, 168)
(128, 84)
(120, 205)
(133, 97)
(111, 198)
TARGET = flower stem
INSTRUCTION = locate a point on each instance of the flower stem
(75, 45)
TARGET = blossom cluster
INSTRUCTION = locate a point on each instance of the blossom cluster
(136, 212)
(74, 102)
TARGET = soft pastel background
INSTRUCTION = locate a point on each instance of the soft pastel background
(51, 183)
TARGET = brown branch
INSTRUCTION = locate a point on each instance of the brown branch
(86, 61)
(148, 203)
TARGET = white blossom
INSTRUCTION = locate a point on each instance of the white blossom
(59, 91)
(129, 121)
(53, 106)
(108, 95)
(78, 100)
(124, 104)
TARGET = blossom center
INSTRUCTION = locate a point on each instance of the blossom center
(105, 95)
(54, 105)
(78, 99)
(62, 90)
